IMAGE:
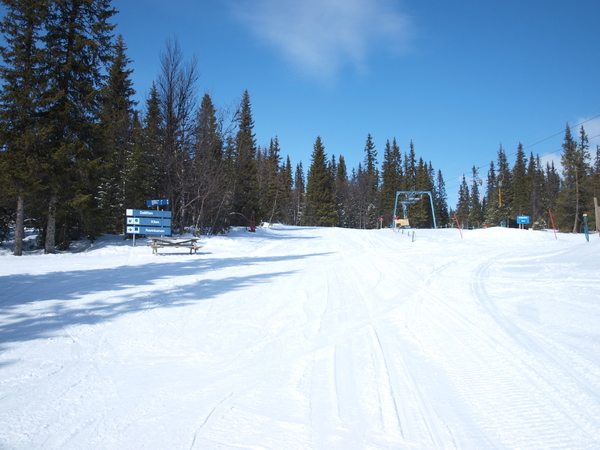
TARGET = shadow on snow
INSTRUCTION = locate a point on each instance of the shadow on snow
(53, 297)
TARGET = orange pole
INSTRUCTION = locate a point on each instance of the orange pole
(458, 223)
(552, 220)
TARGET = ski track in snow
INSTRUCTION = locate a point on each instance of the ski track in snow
(305, 338)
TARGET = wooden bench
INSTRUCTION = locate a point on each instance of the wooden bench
(163, 242)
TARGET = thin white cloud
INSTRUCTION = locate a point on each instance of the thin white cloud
(319, 37)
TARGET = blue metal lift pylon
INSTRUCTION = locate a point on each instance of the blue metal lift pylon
(410, 198)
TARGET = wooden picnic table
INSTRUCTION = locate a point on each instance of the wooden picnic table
(166, 242)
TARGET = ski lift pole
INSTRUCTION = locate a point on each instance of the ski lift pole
(585, 227)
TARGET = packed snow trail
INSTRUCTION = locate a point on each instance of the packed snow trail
(305, 338)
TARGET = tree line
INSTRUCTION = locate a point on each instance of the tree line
(551, 197)
(76, 150)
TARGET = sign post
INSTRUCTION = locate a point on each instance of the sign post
(141, 221)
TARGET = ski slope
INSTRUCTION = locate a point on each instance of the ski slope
(305, 338)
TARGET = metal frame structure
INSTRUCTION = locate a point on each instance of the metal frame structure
(413, 197)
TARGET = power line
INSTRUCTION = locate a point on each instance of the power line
(534, 144)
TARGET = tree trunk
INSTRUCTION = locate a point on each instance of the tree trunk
(19, 226)
(51, 226)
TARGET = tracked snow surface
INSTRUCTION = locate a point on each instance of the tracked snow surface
(305, 338)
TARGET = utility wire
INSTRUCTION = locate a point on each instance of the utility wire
(534, 144)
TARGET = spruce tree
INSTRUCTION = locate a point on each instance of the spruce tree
(342, 191)
(504, 184)
(410, 169)
(23, 132)
(274, 187)
(391, 180)
(535, 177)
(320, 200)
(420, 212)
(117, 147)
(521, 199)
(78, 48)
(492, 213)
(368, 195)
(246, 191)
(146, 179)
(298, 195)
(209, 194)
(440, 201)
(288, 185)
(574, 159)
(475, 217)
(464, 202)
(552, 188)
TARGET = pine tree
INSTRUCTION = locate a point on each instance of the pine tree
(288, 185)
(410, 169)
(504, 183)
(369, 187)
(420, 212)
(342, 191)
(209, 193)
(117, 120)
(492, 211)
(23, 133)
(440, 201)
(246, 190)
(298, 195)
(574, 159)
(475, 217)
(320, 200)
(535, 175)
(274, 187)
(552, 190)
(78, 49)
(146, 179)
(521, 200)
(391, 180)
(463, 204)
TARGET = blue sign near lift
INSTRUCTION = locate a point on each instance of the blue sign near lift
(147, 213)
(159, 202)
(522, 220)
(142, 221)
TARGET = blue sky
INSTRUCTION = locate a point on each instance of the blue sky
(456, 78)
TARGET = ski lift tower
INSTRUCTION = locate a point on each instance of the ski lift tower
(410, 197)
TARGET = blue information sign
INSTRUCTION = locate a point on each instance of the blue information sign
(163, 201)
(149, 221)
(522, 220)
(148, 230)
(147, 213)
(142, 221)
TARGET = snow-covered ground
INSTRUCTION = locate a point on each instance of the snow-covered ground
(305, 338)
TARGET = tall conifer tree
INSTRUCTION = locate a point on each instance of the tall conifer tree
(391, 180)
(246, 191)
(320, 200)
(117, 146)
(521, 198)
(574, 159)
(78, 44)
(23, 132)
